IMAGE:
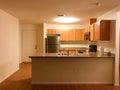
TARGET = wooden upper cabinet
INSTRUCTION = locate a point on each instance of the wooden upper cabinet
(93, 20)
(51, 31)
(105, 30)
(96, 31)
(79, 34)
(69, 35)
(100, 31)
(63, 34)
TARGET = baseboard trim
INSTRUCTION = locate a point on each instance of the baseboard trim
(109, 83)
(9, 74)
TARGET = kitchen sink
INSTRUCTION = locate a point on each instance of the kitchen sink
(61, 54)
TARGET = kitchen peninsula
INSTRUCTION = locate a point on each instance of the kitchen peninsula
(72, 69)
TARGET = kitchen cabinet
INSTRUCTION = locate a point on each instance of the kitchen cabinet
(69, 34)
(91, 30)
(51, 31)
(93, 20)
(79, 34)
(84, 68)
(105, 29)
(64, 34)
(96, 31)
(100, 30)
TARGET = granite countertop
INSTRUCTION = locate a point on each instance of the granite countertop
(73, 48)
(86, 54)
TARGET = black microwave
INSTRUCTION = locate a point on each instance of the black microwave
(87, 36)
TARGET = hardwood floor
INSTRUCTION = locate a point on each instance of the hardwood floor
(21, 80)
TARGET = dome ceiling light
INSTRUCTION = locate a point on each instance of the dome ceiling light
(62, 19)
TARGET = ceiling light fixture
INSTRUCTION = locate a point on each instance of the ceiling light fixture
(63, 19)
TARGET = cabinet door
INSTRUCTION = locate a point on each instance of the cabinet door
(97, 31)
(79, 34)
(70, 35)
(92, 33)
(67, 35)
(100, 31)
(105, 30)
(62, 33)
(51, 31)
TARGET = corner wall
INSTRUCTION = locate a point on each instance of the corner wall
(41, 29)
(111, 15)
(114, 15)
(9, 45)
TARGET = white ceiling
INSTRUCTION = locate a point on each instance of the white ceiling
(39, 11)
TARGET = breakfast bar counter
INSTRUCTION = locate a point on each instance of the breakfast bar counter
(92, 54)
(88, 68)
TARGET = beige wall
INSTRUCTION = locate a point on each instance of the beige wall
(9, 45)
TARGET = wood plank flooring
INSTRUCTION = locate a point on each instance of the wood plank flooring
(21, 80)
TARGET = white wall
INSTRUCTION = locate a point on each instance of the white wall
(9, 45)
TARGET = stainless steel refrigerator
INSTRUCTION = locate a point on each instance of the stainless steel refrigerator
(53, 43)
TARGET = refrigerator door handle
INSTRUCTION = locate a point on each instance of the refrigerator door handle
(47, 45)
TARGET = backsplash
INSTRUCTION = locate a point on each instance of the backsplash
(75, 45)
(107, 45)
